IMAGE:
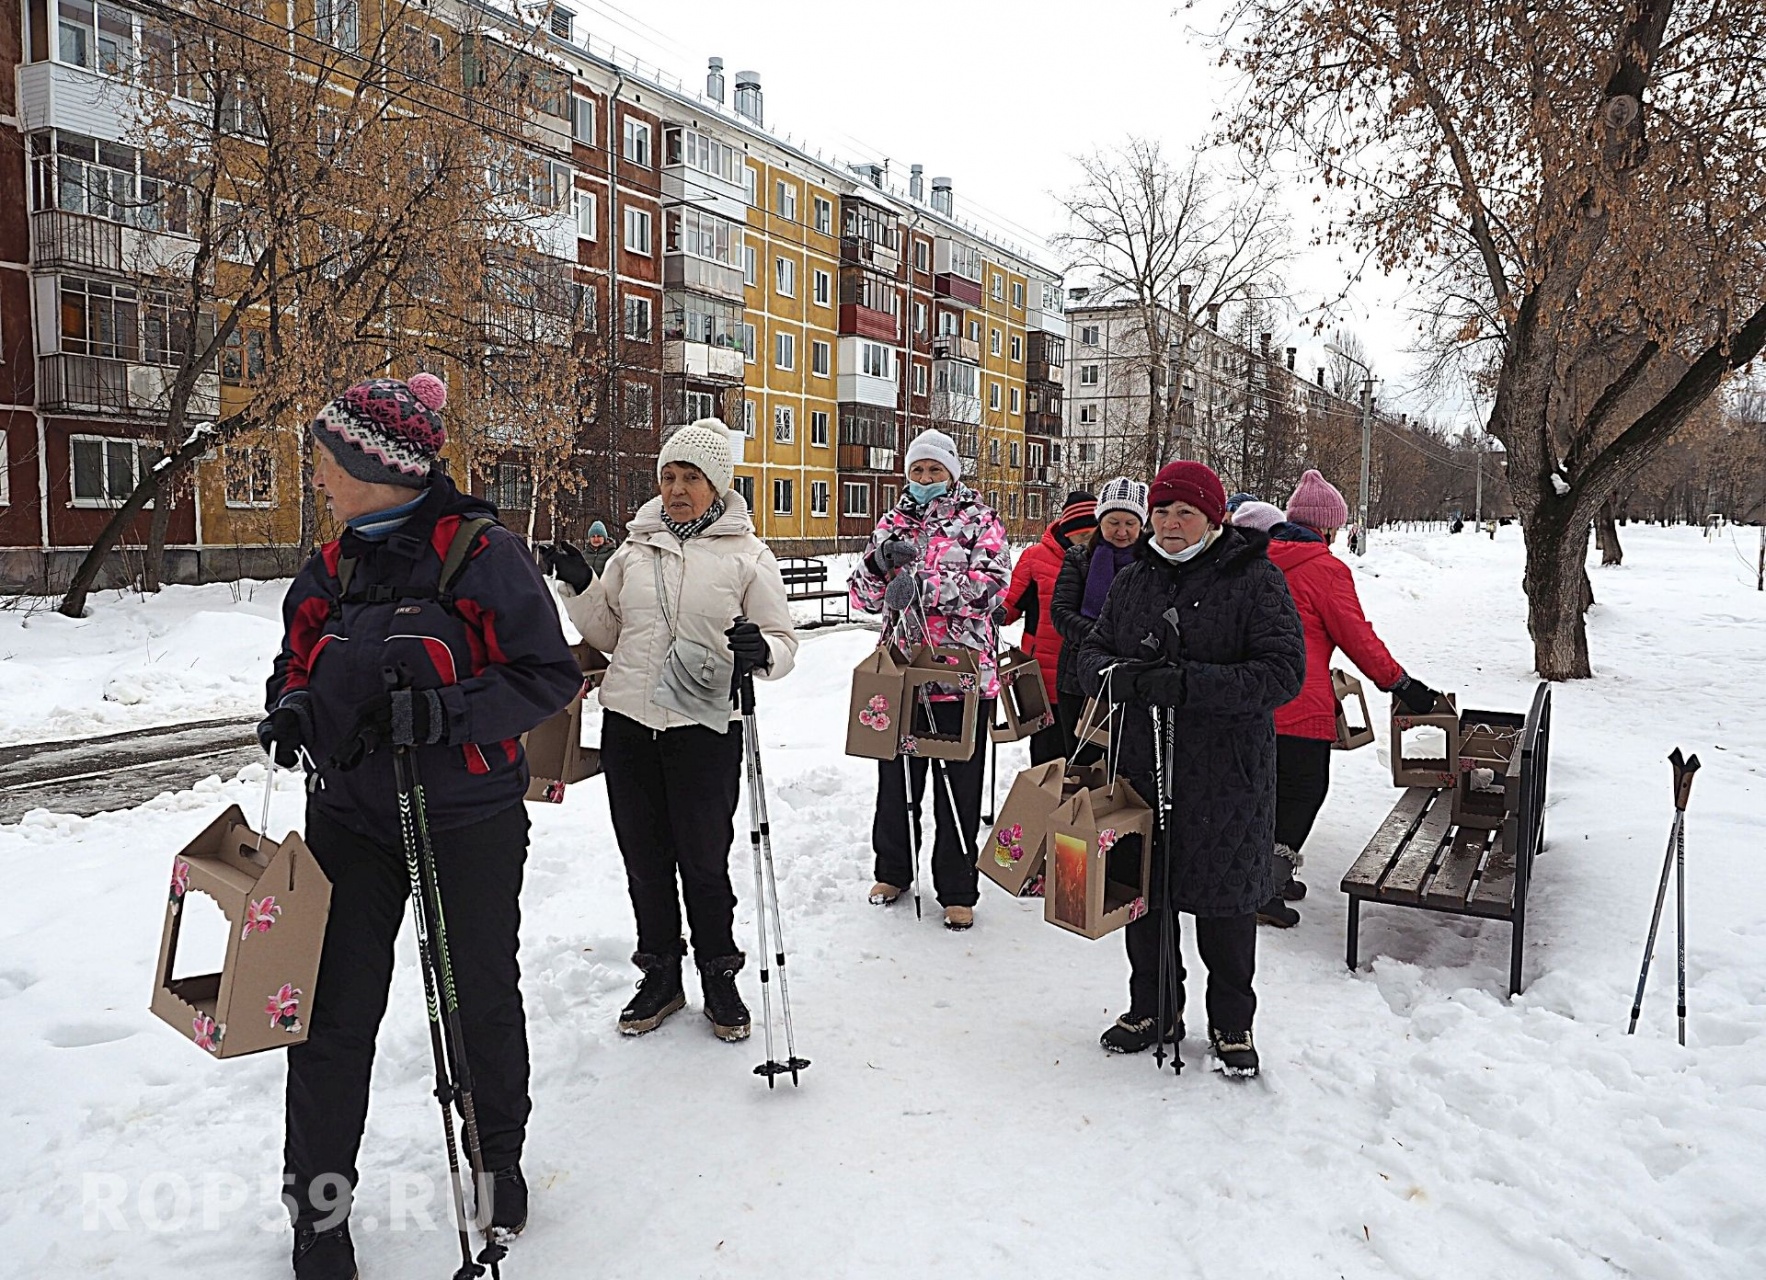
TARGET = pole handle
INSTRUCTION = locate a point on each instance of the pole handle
(1684, 768)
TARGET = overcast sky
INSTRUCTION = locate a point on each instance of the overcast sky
(1000, 98)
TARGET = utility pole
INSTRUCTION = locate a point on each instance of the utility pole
(1760, 573)
(1367, 447)
(1478, 502)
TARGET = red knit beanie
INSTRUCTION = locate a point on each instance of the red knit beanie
(1317, 504)
(1193, 483)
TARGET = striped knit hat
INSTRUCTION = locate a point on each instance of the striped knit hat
(1078, 515)
(385, 431)
(1123, 494)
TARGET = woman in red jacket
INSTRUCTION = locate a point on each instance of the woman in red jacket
(1330, 612)
(1029, 596)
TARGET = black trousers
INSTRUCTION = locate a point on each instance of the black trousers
(479, 869)
(954, 877)
(1302, 779)
(1069, 709)
(1049, 744)
(1229, 951)
(673, 797)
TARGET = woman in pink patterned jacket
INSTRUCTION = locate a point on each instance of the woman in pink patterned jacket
(936, 568)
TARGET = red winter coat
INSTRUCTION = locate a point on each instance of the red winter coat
(1028, 597)
(1330, 612)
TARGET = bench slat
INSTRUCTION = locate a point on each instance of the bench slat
(1404, 882)
(1495, 890)
(1364, 877)
(1453, 880)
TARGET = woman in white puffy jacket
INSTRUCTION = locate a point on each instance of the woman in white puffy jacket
(691, 595)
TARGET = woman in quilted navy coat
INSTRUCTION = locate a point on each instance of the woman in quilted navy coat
(1235, 654)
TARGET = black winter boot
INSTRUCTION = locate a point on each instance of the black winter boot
(1236, 1053)
(508, 1202)
(1133, 1033)
(324, 1255)
(723, 1003)
(659, 994)
(1278, 913)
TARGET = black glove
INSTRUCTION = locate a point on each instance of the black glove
(1416, 696)
(565, 562)
(403, 718)
(285, 728)
(998, 615)
(1119, 682)
(891, 555)
(749, 646)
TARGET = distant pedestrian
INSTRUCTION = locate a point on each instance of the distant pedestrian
(579, 566)
(1031, 597)
(1261, 516)
(1330, 611)
(1086, 575)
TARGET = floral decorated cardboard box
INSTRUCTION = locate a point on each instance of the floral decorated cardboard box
(873, 716)
(940, 673)
(1016, 848)
(1354, 727)
(556, 756)
(1100, 860)
(1024, 704)
(276, 901)
(1433, 765)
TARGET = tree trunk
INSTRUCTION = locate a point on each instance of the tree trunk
(153, 563)
(1606, 535)
(1558, 595)
(309, 515)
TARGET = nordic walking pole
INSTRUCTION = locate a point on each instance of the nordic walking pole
(269, 786)
(1683, 771)
(447, 1040)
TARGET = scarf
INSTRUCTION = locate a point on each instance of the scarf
(378, 526)
(1106, 560)
(1290, 531)
(710, 516)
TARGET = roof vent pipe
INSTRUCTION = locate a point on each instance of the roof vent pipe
(942, 199)
(714, 81)
(916, 183)
(748, 97)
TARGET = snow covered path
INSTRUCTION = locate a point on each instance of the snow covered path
(959, 1117)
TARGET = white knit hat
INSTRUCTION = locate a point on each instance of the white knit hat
(1122, 494)
(935, 446)
(1258, 515)
(704, 444)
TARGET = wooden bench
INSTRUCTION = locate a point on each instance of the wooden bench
(1419, 858)
(806, 578)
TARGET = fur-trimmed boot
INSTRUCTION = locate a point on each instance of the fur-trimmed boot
(659, 993)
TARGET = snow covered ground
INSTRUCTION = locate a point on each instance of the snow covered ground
(959, 1118)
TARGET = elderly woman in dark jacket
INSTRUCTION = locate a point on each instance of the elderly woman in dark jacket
(1088, 569)
(1235, 654)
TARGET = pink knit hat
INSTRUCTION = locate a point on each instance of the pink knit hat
(1317, 504)
(1263, 516)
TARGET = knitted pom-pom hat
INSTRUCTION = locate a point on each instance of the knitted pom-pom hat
(1317, 504)
(385, 431)
(704, 444)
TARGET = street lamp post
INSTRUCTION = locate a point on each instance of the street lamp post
(1358, 543)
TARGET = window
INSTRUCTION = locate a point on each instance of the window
(750, 265)
(334, 22)
(164, 336)
(1017, 347)
(824, 222)
(1012, 506)
(563, 20)
(748, 347)
(585, 215)
(1088, 335)
(993, 342)
(993, 395)
(639, 405)
(750, 183)
(508, 486)
(818, 498)
(784, 424)
(700, 404)
(874, 360)
(785, 277)
(922, 255)
(748, 419)
(637, 231)
(997, 287)
(1017, 402)
(1088, 452)
(1088, 375)
(703, 234)
(1055, 454)
(855, 499)
(744, 485)
(99, 319)
(785, 350)
(242, 357)
(86, 175)
(974, 331)
(1033, 506)
(637, 319)
(106, 470)
(1035, 454)
(1088, 415)
(102, 41)
(993, 499)
(819, 358)
(818, 428)
(886, 496)
(823, 288)
(785, 200)
(1018, 295)
(637, 142)
(919, 379)
(582, 120)
(1015, 452)
(781, 497)
(993, 452)
(919, 317)
(702, 152)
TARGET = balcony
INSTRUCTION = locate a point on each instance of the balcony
(868, 322)
(1043, 424)
(863, 388)
(1052, 374)
(686, 184)
(117, 388)
(703, 361)
(870, 253)
(958, 289)
(55, 95)
(955, 406)
(860, 457)
(954, 346)
(701, 275)
(75, 242)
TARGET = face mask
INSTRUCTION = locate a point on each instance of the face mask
(1190, 552)
(924, 493)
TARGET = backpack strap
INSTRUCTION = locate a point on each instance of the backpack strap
(346, 569)
(458, 549)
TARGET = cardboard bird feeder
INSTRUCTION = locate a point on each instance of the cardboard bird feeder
(874, 713)
(1355, 728)
(1486, 788)
(276, 901)
(1017, 847)
(1024, 705)
(1100, 860)
(1425, 769)
(940, 673)
(556, 756)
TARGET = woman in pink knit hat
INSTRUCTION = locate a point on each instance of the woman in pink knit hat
(1330, 613)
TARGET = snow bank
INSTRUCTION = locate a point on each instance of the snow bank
(959, 1118)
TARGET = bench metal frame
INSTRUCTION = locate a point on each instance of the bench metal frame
(1523, 833)
(806, 578)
